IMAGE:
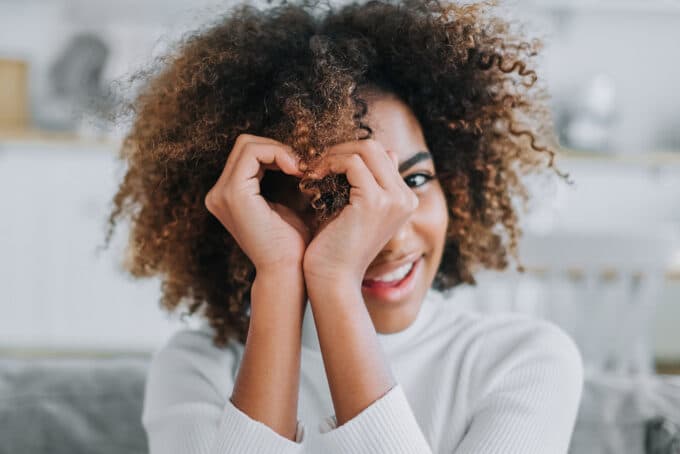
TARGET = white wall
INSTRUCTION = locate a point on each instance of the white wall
(57, 292)
(635, 46)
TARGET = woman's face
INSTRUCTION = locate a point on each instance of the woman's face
(419, 241)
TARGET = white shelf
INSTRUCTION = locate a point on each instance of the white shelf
(605, 6)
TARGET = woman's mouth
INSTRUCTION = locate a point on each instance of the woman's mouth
(395, 284)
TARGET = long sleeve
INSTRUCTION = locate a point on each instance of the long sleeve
(387, 426)
(529, 381)
(187, 408)
(520, 394)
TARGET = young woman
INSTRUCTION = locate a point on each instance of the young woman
(315, 186)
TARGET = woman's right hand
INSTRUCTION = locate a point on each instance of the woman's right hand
(271, 234)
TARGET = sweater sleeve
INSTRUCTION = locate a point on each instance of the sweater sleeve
(387, 426)
(529, 381)
(187, 408)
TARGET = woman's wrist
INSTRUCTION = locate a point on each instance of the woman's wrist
(340, 287)
(280, 268)
(282, 288)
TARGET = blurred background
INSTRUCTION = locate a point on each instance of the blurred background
(603, 254)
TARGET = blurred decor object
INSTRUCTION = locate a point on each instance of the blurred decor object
(14, 110)
(667, 136)
(662, 436)
(77, 71)
(627, 415)
(587, 119)
(75, 86)
(602, 288)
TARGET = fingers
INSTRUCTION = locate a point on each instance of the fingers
(370, 168)
(355, 169)
(378, 161)
(251, 155)
(245, 166)
(255, 158)
(360, 176)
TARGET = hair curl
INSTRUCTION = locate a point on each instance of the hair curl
(294, 74)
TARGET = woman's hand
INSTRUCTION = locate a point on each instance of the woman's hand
(379, 203)
(271, 234)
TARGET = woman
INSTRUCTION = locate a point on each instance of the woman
(312, 184)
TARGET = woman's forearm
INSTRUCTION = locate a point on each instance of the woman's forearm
(266, 387)
(358, 372)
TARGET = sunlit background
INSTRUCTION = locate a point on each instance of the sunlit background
(603, 255)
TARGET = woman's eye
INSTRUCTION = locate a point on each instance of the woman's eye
(418, 179)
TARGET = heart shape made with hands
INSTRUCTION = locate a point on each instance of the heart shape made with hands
(333, 190)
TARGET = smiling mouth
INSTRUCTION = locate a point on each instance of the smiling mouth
(392, 278)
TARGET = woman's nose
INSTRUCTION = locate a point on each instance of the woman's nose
(399, 243)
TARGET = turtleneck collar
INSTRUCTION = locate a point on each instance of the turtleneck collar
(390, 342)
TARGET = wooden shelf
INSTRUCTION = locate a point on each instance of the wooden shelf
(651, 157)
(668, 368)
(672, 273)
(37, 136)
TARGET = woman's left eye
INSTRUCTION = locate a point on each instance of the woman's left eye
(417, 179)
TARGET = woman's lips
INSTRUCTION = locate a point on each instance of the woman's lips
(384, 268)
(384, 280)
(393, 291)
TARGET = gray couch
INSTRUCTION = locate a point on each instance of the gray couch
(72, 405)
(93, 405)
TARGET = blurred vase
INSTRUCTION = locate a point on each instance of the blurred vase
(14, 110)
(589, 117)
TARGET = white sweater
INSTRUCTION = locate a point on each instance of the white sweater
(466, 383)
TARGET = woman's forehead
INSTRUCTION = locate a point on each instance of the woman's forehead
(396, 127)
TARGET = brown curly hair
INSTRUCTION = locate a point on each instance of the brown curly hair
(293, 72)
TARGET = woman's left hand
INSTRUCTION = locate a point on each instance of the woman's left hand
(379, 203)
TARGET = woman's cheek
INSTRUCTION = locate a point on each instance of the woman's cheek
(433, 218)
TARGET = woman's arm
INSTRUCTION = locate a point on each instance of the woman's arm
(187, 405)
(266, 387)
(528, 381)
(192, 404)
(358, 372)
(372, 414)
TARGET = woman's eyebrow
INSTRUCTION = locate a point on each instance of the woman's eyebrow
(413, 160)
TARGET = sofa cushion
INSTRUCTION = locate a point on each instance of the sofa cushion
(72, 405)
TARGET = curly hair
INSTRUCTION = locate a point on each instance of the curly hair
(294, 72)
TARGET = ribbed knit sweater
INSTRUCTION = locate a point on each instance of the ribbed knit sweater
(467, 382)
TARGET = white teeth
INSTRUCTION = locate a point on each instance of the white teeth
(395, 275)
